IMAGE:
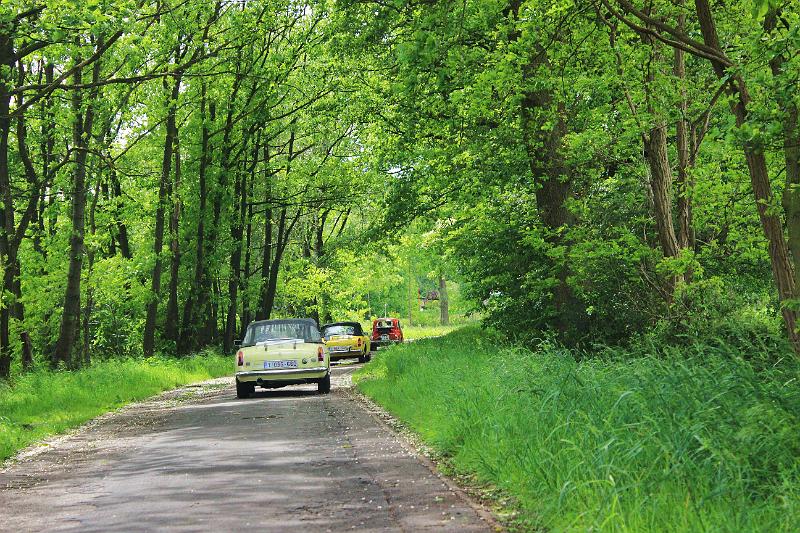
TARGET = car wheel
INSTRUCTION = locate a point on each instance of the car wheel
(362, 358)
(369, 357)
(324, 385)
(244, 390)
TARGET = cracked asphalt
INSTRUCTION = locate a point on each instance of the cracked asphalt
(198, 459)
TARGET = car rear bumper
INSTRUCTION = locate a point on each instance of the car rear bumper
(282, 374)
(379, 344)
(342, 355)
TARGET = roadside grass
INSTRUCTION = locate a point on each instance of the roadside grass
(43, 403)
(423, 332)
(688, 439)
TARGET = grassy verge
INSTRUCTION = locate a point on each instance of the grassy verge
(700, 441)
(43, 403)
(424, 332)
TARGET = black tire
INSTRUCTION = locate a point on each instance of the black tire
(369, 357)
(324, 385)
(244, 390)
(362, 358)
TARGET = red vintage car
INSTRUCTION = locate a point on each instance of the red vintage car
(386, 331)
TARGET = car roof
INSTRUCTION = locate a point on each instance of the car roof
(310, 321)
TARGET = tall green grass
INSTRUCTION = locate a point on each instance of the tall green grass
(43, 403)
(424, 332)
(693, 439)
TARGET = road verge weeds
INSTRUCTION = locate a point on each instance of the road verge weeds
(44, 403)
(686, 439)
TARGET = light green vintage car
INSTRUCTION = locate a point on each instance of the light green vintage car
(276, 353)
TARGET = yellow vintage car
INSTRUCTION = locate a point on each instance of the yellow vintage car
(346, 339)
(276, 353)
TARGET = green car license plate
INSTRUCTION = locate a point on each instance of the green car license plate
(280, 364)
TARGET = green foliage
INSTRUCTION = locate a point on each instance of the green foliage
(44, 403)
(650, 439)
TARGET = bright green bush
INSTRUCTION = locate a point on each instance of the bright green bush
(44, 403)
(681, 439)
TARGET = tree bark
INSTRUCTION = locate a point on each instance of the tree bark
(553, 176)
(237, 229)
(82, 128)
(683, 184)
(122, 229)
(196, 302)
(7, 207)
(444, 302)
(783, 270)
(172, 324)
(158, 240)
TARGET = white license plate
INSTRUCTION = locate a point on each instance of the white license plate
(339, 348)
(280, 364)
(384, 337)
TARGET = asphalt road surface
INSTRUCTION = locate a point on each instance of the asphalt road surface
(198, 459)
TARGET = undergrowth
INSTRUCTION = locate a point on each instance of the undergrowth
(700, 437)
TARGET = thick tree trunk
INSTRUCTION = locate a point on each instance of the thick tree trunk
(7, 207)
(553, 176)
(70, 318)
(658, 166)
(172, 325)
(158, 240)
(783, 270)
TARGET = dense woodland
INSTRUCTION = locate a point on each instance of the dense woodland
(596, 170)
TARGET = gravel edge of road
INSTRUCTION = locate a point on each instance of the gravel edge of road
(409, 440)
(179, 394)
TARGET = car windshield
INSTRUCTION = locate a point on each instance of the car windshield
(339, 330)
(290, 329)
(384, 324)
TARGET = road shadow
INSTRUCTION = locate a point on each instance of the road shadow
(281, 393)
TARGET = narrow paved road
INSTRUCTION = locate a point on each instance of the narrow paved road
(197, 459)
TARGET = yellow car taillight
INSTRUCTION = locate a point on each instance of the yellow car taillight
(320, 354)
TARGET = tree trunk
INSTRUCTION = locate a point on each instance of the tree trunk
(782, 267)
(158, 241)
(659, 170)
(122, 229)
(246, 312)
(683, 183)
(790, 200)
(270, 286)
(87, 311)
(237, 229)
(70, 318)
(444, 302)
(196, 302)
(7, 207)
(266, 258)
(172, 326)
(550, 171)
(661, 186)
